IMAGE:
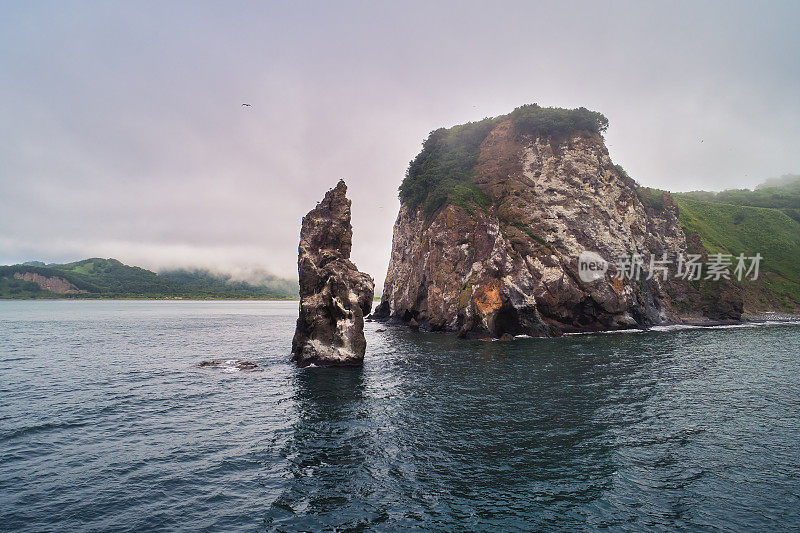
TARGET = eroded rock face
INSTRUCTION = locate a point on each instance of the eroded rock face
(53, 284)
(513, 267)
(334, 295)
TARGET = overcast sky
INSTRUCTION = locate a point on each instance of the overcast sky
(122, 132)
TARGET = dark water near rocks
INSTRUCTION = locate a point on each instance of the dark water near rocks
(107, 423)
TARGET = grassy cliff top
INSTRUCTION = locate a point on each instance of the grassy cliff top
(442, 172)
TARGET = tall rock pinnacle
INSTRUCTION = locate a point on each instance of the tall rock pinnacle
(334, 295)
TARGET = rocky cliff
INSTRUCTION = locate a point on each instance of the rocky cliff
(334, 295)
(53, 284)
(489, 234)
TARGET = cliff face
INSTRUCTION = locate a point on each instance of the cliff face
(53, 284)
(512, 267)
(334, 295)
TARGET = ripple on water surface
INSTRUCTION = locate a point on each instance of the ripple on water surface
(107, 421)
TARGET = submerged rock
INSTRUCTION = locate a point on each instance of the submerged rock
(230, 365)
(334, 295)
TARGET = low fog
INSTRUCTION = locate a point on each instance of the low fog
(122, 132)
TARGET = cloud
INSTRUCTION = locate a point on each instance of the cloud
(123, 135)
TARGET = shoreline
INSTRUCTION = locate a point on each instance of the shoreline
(767, 318)
(789, 320)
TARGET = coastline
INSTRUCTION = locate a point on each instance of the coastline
(767, 318)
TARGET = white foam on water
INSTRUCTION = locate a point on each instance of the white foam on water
(676, 327)
(607, 332)
(682, 327)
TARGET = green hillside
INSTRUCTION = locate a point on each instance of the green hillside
(736, 229)
(205, 281)
(109, 278)
(777, 193)
(749, 222)
(17, 288)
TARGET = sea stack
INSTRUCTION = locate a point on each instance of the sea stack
(334, 295)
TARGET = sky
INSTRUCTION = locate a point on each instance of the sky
(122, 132)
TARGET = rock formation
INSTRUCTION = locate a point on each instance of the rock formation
(53, 284)
(510, 266)
(334, 295)
(231, 365)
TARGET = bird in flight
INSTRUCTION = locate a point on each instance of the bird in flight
(247, 105)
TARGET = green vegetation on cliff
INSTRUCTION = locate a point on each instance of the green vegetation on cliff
(442, 173)
(535, 120)
(652, 198)
(109, 278)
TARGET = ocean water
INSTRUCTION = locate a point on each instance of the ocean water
(108, 423)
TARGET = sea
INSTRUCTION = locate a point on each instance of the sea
(109, 423)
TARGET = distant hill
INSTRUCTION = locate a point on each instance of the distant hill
(776, 193)
(202, 280)
(735, 229)
(787, 181)
(109, 278)
(766, 219)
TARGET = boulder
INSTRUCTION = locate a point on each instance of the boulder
(231, 365)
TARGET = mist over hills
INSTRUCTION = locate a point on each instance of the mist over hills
(766, 218)
(787, 180)
(109, 278)
(781, 193)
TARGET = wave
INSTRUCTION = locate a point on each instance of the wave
(683, 327)
(39, 428)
